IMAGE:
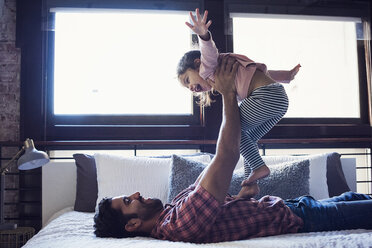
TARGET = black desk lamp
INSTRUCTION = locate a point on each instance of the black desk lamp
(31, 159)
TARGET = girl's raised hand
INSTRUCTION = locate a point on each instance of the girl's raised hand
(200, 25)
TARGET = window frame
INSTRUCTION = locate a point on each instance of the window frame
(124, 125)
(30, 38)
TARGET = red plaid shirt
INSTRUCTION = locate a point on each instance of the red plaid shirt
(196, 216)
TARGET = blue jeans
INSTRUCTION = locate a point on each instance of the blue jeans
(348, 211)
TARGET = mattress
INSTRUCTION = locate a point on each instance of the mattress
(73, 229)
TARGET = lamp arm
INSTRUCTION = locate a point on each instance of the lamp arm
(7, 166)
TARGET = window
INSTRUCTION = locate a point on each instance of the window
(110, 70)
(327, 85)
(118, 67)
(119, 62)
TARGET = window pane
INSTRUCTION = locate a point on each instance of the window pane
(119, 62)
(327, 85)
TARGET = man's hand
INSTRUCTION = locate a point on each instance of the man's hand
(225, 76)
(201, 25)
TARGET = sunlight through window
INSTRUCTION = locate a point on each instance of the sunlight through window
(327, 85)
(120, 62)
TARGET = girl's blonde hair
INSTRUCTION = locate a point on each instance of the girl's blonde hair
(204, 98)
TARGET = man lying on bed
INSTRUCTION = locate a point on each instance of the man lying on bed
(202, 213)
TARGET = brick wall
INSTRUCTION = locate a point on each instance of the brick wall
(9, 99)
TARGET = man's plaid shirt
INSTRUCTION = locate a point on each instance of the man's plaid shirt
(196, 216)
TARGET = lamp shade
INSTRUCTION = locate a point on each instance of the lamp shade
(32, 158)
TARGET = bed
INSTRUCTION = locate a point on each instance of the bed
(71, 190)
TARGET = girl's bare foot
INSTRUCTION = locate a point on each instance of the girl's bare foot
(249, 191)
(257, 174)
(294, 71)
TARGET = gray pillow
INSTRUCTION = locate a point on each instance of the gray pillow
(183, 173)
(86, 183)
(336, 180)
(286, 180)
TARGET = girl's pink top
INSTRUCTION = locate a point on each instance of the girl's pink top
(209, 63)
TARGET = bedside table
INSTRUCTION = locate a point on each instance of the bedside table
(15, 238)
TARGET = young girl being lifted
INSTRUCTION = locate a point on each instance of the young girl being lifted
(262, 99)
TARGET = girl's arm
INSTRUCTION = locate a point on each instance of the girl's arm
(284, 76)
(209, 51)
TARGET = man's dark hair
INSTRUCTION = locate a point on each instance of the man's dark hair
(109, 222)
(187, 62)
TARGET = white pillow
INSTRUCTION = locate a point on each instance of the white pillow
(119, 175)
(318, 171)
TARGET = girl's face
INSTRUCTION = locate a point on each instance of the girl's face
(194, 82)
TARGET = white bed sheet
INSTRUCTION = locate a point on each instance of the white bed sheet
(75, 229)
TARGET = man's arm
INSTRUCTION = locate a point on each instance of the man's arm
(216, 177)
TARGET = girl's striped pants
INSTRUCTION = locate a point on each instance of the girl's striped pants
(259, 112)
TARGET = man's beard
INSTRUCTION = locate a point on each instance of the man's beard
(149, 210)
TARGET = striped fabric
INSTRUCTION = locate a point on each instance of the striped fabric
(196, 216)
(259, 113)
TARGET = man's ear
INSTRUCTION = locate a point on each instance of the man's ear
(197, 63)
(133, 224)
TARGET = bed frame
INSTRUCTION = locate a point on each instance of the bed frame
(34, 209)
